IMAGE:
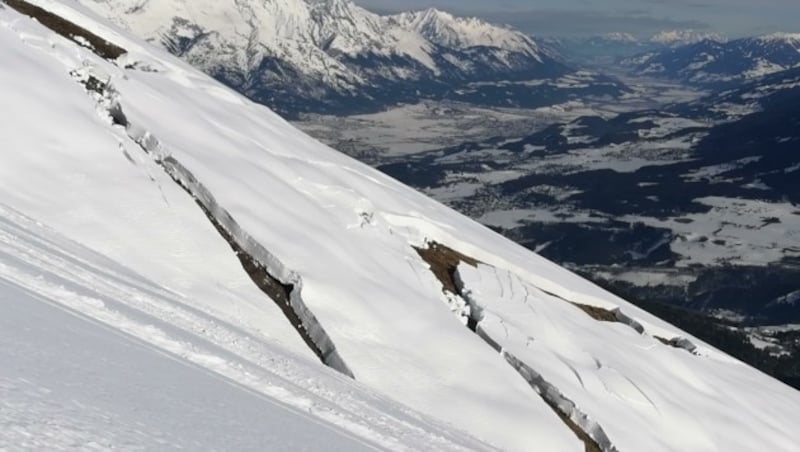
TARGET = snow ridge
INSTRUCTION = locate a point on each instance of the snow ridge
(620, 37)
(444, 263)
(109, 102)
(183, 177)
(549, 392)
(560, 402)
(444, 29)
(330, 356)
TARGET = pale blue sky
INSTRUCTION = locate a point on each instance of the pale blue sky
(641, 17)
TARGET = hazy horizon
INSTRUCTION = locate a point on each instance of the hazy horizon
(639, 17)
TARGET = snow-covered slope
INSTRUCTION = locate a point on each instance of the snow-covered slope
(323, 55)
(169, 178)
(713, 61)
(96, 356)
(445, 30)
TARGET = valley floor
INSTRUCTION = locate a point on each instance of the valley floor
(408, 130)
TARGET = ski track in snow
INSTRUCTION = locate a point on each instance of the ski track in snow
(62, 411)
(50, 269)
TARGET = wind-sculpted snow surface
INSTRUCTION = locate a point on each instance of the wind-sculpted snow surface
(97, 186)
(265, 265)
(684, 401)
(97, 356)
(243, 243)
(349, 233)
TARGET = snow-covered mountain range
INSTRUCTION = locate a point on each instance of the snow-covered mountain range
(604, 50)
(180, 267)
(684, 37)
(331, 55)
(711, 62)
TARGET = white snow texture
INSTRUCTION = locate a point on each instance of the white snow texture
(126, 320)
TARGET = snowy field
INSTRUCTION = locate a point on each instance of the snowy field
(412, 129)
(65, 386)
(98, 357)
(734, 231)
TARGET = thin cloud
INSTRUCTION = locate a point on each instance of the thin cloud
(639, 17)
(556, 22)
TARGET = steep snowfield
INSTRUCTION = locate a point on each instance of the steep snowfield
(148, 400)
(618, 386)
(97, 357)
(111, 154)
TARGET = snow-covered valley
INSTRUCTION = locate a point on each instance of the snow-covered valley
(158, 231)
(400, 133)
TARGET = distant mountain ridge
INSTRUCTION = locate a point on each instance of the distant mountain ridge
(332, 55)
(711, 62)
(685, 37)
(609, 47)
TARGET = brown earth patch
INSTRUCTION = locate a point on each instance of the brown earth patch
(590, 445)
(68, 30)
(600, 314)
(444, 263)
(279, 292)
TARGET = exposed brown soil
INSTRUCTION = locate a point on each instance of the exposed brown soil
(600, 314)
(69, 30)
(604, 315)
(536, 383)
(590, 445)
(595, 312)
(444, 263)
(663, 341)
(279, 293)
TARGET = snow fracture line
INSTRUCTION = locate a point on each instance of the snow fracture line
(68, 30)
(262, 266)
(616, 315)
(281, 285)
(443, 262)
(586, 429)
